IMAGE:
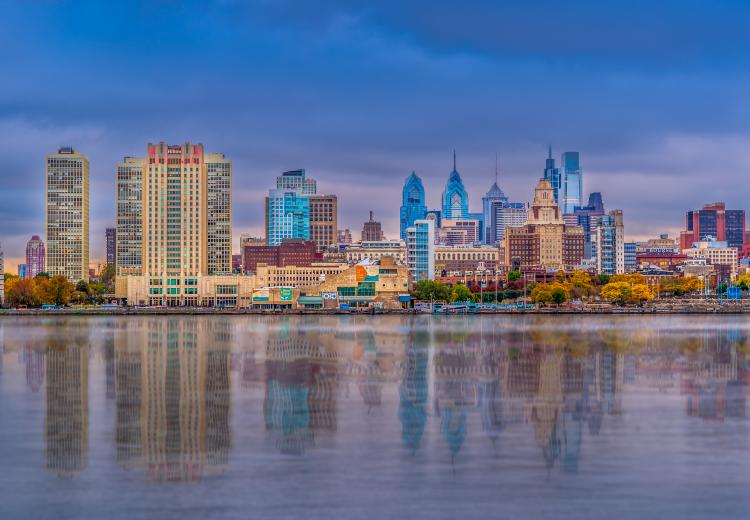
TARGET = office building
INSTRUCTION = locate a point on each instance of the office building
(608, 243)
(297, 180)
(631, 252)
(287, 215)
(544, 241)
(459, 232)
(552, 174)
(323, 220)
(218, 213)
(717, 222)
(67, 214)
(492, 199)
(586, 217)
(420, 250)
(22, 271)
(504, 214)
(572, 179)
(662, 244)
(372, 231)
(716, 253)
(344, 236)
(129, 243)
(451, 259)
(455, 197)
(34, 256)
(413, 203)
(110, 237)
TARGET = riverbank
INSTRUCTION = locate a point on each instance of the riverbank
(662, 307)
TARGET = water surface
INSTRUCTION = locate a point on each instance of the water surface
(374, 417)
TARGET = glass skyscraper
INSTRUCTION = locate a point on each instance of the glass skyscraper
(413, 205)
(287, 215)
(552, 174)
(572, 178)
(420, 250)
(455, 198)
(493, 195)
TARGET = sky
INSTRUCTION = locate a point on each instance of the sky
(652, 94)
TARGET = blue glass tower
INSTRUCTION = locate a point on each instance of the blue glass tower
(572, 176)
(413, 206)
(287, 216)
(552, 174)
(455, 198)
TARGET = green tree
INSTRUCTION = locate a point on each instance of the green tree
(107, 276)
(82, 286)
(603, 279)
(559, 295)
(461, 293)
(514, 275)
(42, 275)
(430, 290)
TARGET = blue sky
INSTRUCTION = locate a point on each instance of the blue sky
(652, 94)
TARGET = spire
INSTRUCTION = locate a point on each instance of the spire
(454, 159)
(549, 152)
(496, 169)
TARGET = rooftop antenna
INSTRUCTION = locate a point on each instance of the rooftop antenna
(496, 169)
(549, 152)
(454, 159)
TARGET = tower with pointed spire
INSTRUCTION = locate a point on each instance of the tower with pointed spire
(490, 200)
(455, 197)
(413, 203)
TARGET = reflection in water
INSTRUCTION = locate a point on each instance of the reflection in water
(441, 391)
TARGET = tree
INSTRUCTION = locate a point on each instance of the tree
(743, 281)
(581, 283)
(430, 290)
(20, 291)
(514, 275)
(107, 276)
(61, 290)
(79, 297)
(616, 292)
(603, 279)
(82, 286)
(559, 295)
(461, 293)
(641, 293)
(42, 275)
(97, 290)
(9, 277)
(541, 294)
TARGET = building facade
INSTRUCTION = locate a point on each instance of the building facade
(459, 232)
(716, 253)
(502, 215)
(572, 178)
(372, 230)
(420, 250)
(608, 243)
(552, 174)
(455, 197)
(293, 251)
(129, 226)
(544, 241)
(376, 250)
(413, 203)
(492, 199)
(715, 221)
(22, 271)
(287, 215)
(34, 257)
(451, 259)
(631, 252)
(297, 180)
(323, 220)
(67, 214)
(218, 213)
(110, 239)
(586, 217)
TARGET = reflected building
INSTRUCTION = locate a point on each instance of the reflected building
(67, 405)
(413, 392)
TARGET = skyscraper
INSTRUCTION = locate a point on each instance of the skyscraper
(413, 204)
(219, 213)
(67, 214)
(504, 214)
(323, 220)
(455, 198)
(552, 174)
(492, 198)
(608, 243)
(296, 180)
(111, 243)
(714, 220)
(129, 226)
(586, 216)
(572, 176)
(420, 250)
(287, 215)
(34, 256)
(22, 272)
(372, 231)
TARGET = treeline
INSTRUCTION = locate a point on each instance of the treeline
(55, 290)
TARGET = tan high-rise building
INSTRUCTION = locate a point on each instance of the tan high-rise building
(219, 213)
(323, 220)
(67, 214)
(544, 241)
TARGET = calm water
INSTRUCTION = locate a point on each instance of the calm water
(375, 417)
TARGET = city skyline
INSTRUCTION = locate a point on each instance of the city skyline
(648, 108)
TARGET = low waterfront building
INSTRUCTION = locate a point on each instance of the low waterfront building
(382, 284)
(375, 250)
(449, 259)
(291, 251)
(716, 253)
(662, 244)
(295, 276)
(667, 261)
(202, 290)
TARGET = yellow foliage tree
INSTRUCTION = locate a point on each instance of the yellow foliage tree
(641, 293)
(616, 292)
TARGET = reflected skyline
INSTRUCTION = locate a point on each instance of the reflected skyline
(181, 399)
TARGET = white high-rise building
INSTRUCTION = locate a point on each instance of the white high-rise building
(420, 250)
(67, 214)
(608, 243)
